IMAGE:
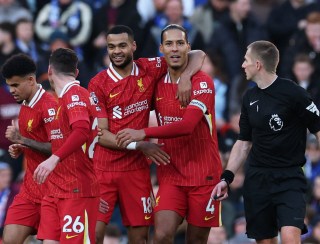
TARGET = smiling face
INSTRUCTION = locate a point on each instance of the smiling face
(175, 48)
(120, 49)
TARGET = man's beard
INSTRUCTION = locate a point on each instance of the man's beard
(126, 62)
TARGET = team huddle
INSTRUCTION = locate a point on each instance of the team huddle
(87, 150)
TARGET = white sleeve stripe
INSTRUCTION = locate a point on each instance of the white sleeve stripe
(199, 104)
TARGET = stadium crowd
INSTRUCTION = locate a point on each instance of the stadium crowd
(221, 28)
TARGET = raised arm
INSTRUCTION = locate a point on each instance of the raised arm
(195, 61)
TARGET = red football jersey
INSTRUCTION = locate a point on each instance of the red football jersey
(194, 159)
(34, 123)
(74, 176)
(126, 103)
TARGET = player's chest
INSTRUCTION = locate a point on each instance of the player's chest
(128, 91)
(30, 120)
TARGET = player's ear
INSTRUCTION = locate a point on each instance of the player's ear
(134, 46)
(189, 47)
(77, 72)
(49, 70)
(161, 48)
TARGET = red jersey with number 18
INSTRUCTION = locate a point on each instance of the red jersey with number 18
(34, 123)
(74, 176)
(194, 159)
(126, 103)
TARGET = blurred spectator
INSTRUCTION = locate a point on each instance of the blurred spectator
(239, 86)
(303, 74)
(315, 236)
(11, 11)
(27, 44)
(173, 14)
(315, 202)
(112, 235)
(57, 40)
(7, 192)
(114, 12)
(7, 43)
(72, 17)
(33, 5)
(306, 41)
(212, 67)
(237, 30)
(207, 17)
(240, 236)
(154, 7)
(217, 235)
(312, 165)
(286, 19)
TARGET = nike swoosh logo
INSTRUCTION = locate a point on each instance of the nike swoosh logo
(251, 103)
(69, 237)
(146, 217)
(113, 95)
(159, 98)
(208, 218)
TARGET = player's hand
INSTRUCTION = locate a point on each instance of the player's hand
(15, 150)
(220, 191)
(45, 168)
(103, 206)
(126, 136)
(154, 152)
(184, 91)
(12, 133)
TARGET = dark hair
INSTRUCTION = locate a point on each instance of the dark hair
(174, 27)
(9, 28)
(119, 29)
(18, 65)
(268, 54)
(64, 60)
(303, 58)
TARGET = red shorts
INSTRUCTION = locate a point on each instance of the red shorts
(23, 212)
(190, 202)
(71, 220)
(132, 190)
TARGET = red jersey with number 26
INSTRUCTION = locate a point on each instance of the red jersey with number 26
(74, 176)
(34, 123)
(126, 102)
(194, 159)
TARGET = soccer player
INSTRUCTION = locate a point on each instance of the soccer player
(189, 137)
(37, 111)
(124, 92)
(70, 207)
(275, 116)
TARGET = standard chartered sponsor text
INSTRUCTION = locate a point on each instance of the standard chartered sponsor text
(136, 107)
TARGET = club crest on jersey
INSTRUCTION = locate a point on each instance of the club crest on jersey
(140, 85)
(51, 112)
(29, 128)
(275, 122)
(75, 98)
(203, 85)
(93, 98)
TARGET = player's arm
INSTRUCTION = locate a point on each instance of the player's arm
(238, 155)
(78, 136)
(195, 61)
(12, 134)
(186, 126)
(151, 150)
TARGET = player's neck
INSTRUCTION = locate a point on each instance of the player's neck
(175, 75)
(60, 81)
(266, 80)
(33, 93)
(124, 71)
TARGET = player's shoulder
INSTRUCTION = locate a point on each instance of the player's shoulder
(99, 78)
(289, 87)
(203, 79)
(155, 62)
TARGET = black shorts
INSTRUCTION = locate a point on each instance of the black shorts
(274, 198)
